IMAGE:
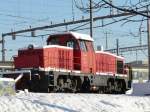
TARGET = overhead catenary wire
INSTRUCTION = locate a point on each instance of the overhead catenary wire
(126, 10)
(104, 24)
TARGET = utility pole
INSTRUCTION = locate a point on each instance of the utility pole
(106, 42)
(3, 48)
(91, 19)
(140, 34)
(111, 8)
(136, 52)
(148, 40)
(117, 44)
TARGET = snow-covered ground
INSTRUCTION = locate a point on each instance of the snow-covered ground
(61, 102)
(133, 101)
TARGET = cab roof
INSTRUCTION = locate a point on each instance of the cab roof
(76, 35)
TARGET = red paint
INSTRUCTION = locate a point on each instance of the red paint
(105, 63)
(54, 57)
(86, 61)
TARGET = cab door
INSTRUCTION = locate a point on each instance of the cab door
(91, 57)
(76, 54)
(87, 56)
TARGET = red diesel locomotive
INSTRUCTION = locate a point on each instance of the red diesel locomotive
(69, 63)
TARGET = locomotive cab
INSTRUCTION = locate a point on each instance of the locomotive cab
(83, 51)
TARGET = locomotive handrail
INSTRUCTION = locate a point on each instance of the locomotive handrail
(18, 78)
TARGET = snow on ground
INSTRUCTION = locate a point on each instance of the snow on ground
(61, 102)
(141, 88)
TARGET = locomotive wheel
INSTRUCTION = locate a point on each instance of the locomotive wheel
(123, 89)
(60, 82)
(60, 85)
(74, 85)
(119, 86)
(69, 85)
(110, 87)
(101, 90)
(79, 83)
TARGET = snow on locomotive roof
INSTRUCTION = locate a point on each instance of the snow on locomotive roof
(77, 35)
(58, 46)
(46, 46)
(120, 57)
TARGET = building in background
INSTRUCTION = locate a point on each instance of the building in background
(139, 70)
(7, 65)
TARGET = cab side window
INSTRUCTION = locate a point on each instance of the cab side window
(53, 41)
(90, 46)
(83, 46)
(119, 67)
(70, 44)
